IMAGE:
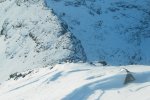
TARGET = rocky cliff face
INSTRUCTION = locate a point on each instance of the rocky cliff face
(116, 31)
(32, 36)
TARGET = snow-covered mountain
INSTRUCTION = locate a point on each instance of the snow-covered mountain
(117, 31)
(80, 81)
(39, 37)
(31, 35)
(36, 33)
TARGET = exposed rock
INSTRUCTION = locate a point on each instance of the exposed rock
(17, 75)
(104, 63)
(129, 77)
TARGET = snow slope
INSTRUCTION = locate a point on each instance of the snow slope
(31, 35)
(117, 31)
(80, 81)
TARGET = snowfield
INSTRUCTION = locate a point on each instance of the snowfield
(80, 81)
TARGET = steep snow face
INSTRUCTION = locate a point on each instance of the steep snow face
(116, 31)
(32, 36)
(78, 82)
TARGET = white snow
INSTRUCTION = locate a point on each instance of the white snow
(80, 81)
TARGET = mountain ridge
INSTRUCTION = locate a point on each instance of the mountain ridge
(33, 36)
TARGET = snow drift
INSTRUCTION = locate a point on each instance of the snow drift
(80, 81)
